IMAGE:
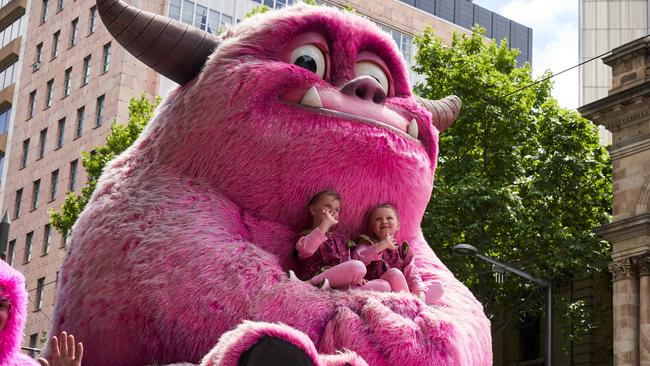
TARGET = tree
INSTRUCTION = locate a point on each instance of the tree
(120, 138)
(257, 9)
(260, 9)
(520, 178)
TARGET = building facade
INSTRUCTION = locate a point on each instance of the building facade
(626, 113)
(76, 80)
(605, 25)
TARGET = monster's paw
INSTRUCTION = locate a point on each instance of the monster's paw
(393, 333)
(267, 344)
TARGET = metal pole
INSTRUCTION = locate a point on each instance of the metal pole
(549, 325)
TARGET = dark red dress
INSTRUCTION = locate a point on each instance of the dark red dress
(398, 258)
(335, 250)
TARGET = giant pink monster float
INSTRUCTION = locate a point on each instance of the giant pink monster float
(185, 245)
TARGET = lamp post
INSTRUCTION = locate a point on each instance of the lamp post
(466, 249)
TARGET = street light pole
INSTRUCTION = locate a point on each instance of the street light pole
(466, 249)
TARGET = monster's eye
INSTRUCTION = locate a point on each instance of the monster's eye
(371, 69)
(309, 57)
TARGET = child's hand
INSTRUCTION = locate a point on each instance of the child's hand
(328, 221)
(64, 351)
(387, 243)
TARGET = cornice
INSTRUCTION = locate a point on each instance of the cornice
(629, 228)
(631, 146)
(630, 115)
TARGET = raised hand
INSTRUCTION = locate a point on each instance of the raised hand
(328, 220)
(388, 243)
(64, 351)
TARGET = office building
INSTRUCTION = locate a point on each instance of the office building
(605, 25)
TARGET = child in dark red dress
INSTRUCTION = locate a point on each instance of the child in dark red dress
(323, 255)
(388, 262)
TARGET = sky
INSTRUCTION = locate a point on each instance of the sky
(555, 39)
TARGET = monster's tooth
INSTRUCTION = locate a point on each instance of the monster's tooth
(311, 98)
(413, 128)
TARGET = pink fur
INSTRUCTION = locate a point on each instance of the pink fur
(235, 342)
(12, 283)
(191, 230)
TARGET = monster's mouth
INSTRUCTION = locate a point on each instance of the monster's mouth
(334, 103)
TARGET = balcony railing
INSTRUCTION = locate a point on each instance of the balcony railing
(10, 11)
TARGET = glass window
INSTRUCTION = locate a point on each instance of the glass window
(28, 247)
(59, 5)
(225, 20)
(5, 118)
(56, 285)
(54, 184)
(67, 82)
(187, 15)
(92, 20)
(11, 252)
(56, 42)
(65, 240)
(18, 203)
(213, 22)
(201, 18)
(74, 27)
(47, 239)
(107, 57)
(407, 44)
(86, 73)
(44, 11)
(73, 175)
(36, 190)
(42, 143)
(40, 285)
(32, 104)
(99, 113)
(39, 54)
(23, 160)
(80, 122)
(50, 93)
(60, 133)
(33, 342)
(175, 9)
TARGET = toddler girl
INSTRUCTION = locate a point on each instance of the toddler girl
(390, 265)
(324, 256)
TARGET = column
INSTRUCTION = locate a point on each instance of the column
(644, 309)
(626, 312)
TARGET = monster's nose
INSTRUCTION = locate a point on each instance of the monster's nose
(365, 88)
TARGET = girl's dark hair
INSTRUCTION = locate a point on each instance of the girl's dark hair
(328, 192)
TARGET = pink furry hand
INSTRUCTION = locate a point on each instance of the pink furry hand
(238, 344)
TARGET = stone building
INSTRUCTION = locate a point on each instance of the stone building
(625, 111)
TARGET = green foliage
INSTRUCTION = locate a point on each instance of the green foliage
(257, 9)
(121, 137)
(520, 178)
(348, 8)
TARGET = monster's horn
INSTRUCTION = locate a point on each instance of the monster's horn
(174, 49)
(443, 111)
